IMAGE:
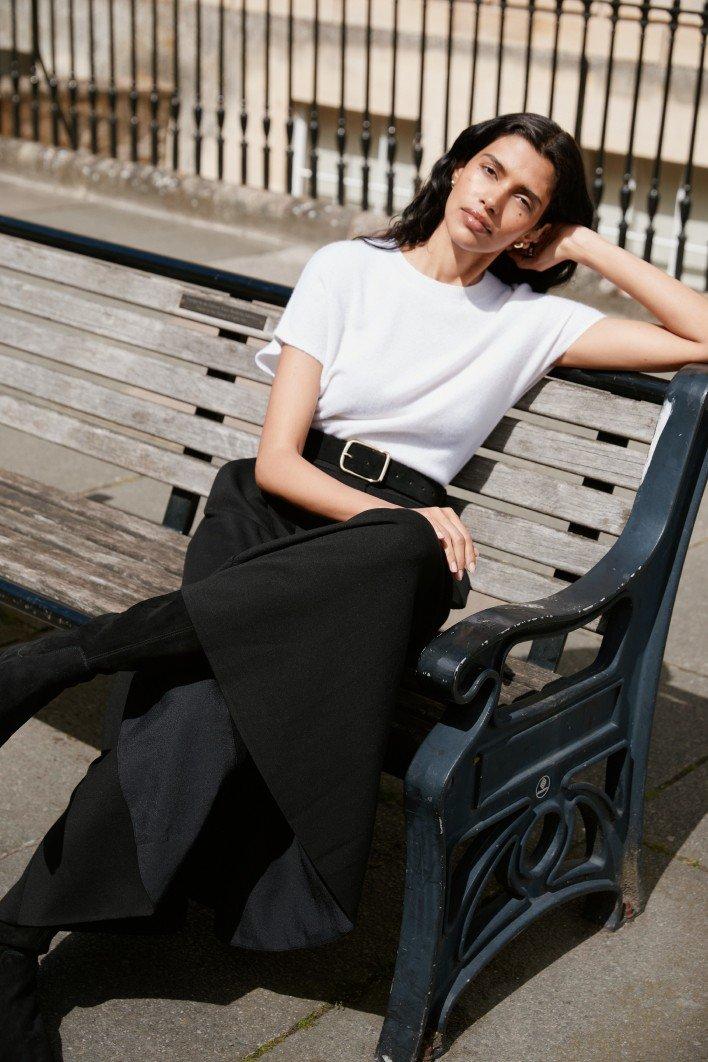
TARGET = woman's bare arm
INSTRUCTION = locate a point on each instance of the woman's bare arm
(614, 342)
(281, 469)
(280, 466)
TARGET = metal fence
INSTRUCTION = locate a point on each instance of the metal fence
(351, 100)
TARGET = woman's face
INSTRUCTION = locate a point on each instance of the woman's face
(509, 185)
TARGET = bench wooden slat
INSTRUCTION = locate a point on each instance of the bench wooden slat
(570, 453)
(64, 585)
(91, 274)
(133, 454)
(126, 284)
(55, 502)
(63, 524)
(42, 552)
(39, 534)
(128, 533)
(553, 398)
(543, 494)
(511, 534)
(127, 411)
(59, 579)
(601, 410)
(602, 461)
(506, 582)
(140, 370)
(140, 320)
(140, 329)
(522, 538)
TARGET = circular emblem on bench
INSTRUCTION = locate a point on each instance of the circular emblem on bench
(543, 785)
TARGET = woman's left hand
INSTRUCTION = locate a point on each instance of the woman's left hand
(555, 244)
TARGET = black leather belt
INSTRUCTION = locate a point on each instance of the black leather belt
(368, 462)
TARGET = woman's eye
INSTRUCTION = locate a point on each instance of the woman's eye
(489, 169)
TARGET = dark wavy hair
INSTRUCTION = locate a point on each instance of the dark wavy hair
(570, 200)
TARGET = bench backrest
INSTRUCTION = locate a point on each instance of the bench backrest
(122, 359)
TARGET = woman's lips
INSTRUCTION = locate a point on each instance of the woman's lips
(472, 223)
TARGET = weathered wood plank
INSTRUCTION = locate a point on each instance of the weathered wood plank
(578, 404)
(129, 326)
(133, 454)
(96, 592)
(40, 537)
(543, 494)
(571, 453)
(67, 505)
(126, 284)
(91, 274)
(506, 582)
(127, 410)
(76, 535)
(555, 398)
(79, 516)
(86, 589)
(133, 367)
(503, 580)
(522, 538)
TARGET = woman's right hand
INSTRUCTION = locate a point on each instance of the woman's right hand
(454, 538)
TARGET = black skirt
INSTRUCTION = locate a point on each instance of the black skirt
(249, 781)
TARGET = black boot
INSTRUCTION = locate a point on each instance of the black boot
(23, 1036)
(144, 635)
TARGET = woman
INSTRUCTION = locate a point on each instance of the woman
(265, 685)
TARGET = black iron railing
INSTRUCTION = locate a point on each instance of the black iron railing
(358, 97)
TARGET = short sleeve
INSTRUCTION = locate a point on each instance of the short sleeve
(303, 323)
(566, 322)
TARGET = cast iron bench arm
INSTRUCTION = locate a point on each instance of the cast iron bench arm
(453, 658)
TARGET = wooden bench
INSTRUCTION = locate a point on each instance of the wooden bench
(524, 784)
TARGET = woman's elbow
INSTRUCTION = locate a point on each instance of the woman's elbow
(261, 471)
(269, 469)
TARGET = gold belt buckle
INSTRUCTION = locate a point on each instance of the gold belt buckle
(369, 479)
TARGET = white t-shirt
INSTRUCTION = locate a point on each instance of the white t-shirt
(415, 366)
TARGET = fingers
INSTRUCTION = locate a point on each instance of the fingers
(455, 539)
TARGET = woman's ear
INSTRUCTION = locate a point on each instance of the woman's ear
(539, 231)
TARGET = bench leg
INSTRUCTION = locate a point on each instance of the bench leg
(417, 962)
(437, 788)
(481, 868)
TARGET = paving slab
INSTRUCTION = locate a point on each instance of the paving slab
(184, 995)
(57, 466)
(178, 997)
(700, 528)
(687, 643)
(138, 496)
(560, 991)
(675, 820)
(679, 732)
(251, 251)
(44, 760)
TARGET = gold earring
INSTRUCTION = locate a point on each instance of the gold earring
(519, 245)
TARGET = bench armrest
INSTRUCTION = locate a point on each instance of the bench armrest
(676, 470)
